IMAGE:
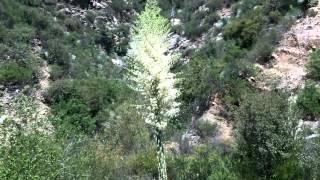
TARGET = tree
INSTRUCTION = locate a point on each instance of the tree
(150, 73)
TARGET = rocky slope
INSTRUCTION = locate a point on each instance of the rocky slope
(291, 55)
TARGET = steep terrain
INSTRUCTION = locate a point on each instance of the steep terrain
(291, 55)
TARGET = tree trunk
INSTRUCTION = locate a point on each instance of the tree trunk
(162, 166)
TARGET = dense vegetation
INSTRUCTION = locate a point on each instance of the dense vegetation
(95, 129)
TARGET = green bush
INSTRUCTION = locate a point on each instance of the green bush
(57, 54)
(13, 73)
(94, 159)
(313, 66)
(144, 163)
(72, 24)
(21, 33)
(73, 116)
(309, 100)
(81, 3)
(198, 83)
(105, 39)
(265, 139)
(204, 163)
(33, 156)
(94, 96)
(121, 131)
(193, 28)
(90, 16)
(206, 129)
(211, 19)
(215, 4)
(120, 5)
(41, 22)
(56, 72)
(31, 2)
(275, 16)
(262, 50)
(245, 30)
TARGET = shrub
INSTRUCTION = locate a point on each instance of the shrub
(90, 16)
(313, 65)
(81, 3)
(73, 115)
(265, 139)
(194, 28)
(31, 2)
(72, 24)
(144, 164)
(199, 83)
(206, 129)
(245, 30)
(262, 50)
(56, 72)
(13, 73)
(20, 33)
(41, 22)
(57, 54)
(119, 5)
(94, 97)
(215, 4)
(105, 39)
(275, 16)
(309, 100)
(37, 154)
(204, 163)
(94, 159)
(211, 18)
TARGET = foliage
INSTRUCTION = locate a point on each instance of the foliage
(31, 2)
(13, 73)
(91, 158)
(204, 163)
(105, 39)
(206, 129)
(120, 5)
(78, 108)
(72, 24)
(215, 4)
(56, 72)
(144, 163)
(199, 80)
(194, 28)
(34, 156)
(308, 99)
(57, 54)
(265, 140)
(313, 65)
(73, 116)
(245, 30)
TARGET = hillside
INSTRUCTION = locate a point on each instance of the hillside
(170, 89)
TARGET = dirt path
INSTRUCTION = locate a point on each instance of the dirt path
(44, 83)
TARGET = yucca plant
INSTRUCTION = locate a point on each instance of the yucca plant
(149, 70)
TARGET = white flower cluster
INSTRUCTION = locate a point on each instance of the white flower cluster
(151, 70)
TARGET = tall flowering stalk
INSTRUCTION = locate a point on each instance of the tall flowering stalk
(150, 71)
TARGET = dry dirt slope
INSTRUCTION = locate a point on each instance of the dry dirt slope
(291, 56)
